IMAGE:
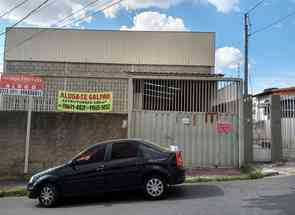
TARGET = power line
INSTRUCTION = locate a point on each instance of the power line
(12, 9)
(58, 22)
(105, 7)
(273, 24)
(247, 25)
(77, 11)
(25, 17)
(255, 6)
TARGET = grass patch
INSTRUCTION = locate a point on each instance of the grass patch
(14, 191)
(254, 174)
(247, 169)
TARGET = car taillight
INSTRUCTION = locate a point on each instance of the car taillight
(179, 160)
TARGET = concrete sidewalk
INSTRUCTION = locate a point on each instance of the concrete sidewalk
(213, 172)
(10, 183)
(280, 168)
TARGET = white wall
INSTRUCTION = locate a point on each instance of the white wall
(118, 47)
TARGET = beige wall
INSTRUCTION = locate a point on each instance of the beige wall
(117, 47)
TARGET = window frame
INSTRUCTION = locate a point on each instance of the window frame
(110, 150)
(90, 148)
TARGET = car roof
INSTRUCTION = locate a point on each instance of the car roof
(119, 140)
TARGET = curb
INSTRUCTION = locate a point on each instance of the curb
(19, 191)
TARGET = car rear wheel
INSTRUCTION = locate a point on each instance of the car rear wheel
(155, 187)
(48, 195)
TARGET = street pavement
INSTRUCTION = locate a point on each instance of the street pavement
(271, 196)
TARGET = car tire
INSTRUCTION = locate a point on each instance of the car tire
(48, 195)
(155, 187)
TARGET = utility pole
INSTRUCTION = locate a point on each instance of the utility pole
(246, 38)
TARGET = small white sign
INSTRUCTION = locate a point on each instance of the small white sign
(186, 121)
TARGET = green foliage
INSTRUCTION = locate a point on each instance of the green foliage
(15, 191)
(254, 174)
(247, 169)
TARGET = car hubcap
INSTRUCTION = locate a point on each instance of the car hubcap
(155, 187)
(47, 196)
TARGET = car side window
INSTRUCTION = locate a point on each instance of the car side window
(93, 155)
(148, 152)
(124, 150)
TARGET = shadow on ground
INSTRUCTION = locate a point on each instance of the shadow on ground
(283, 203)
(181, 192)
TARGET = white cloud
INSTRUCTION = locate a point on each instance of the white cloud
(154, 21)
(112, 11)
(1, 68)
(225, 6)
(140, 4)
(50, 13)
(53, 11)
(228, 58)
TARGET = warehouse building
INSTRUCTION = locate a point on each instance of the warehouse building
(161, 87)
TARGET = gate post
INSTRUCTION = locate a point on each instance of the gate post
(130, 105)
(275, 129)
(248, 129)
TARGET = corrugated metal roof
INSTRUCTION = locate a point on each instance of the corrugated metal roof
(116, 47)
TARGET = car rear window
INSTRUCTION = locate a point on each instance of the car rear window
(149, 152)
(157, 147)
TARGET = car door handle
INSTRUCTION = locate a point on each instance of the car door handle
(100, 168)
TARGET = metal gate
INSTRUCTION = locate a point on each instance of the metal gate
(202, 117)
(261, 130)
(288, 126)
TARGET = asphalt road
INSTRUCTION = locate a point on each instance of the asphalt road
(267, 196)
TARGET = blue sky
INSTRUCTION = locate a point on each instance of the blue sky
(271, 51)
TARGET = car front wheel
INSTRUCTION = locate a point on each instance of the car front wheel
(48, 195)
(155, 187)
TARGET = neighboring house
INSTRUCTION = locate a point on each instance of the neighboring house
(261, 120)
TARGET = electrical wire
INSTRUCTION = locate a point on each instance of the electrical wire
(255, 6)
(273, 24)
(105, 7)
(75, 12)
(12, 9)
(25, 17)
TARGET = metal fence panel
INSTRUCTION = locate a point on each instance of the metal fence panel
(288, 125)
(187, 113)
(186, 95)
(47, 103)
(196, 135)
(261, 130)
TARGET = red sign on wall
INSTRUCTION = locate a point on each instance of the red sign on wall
(224, 127)
(21, 85)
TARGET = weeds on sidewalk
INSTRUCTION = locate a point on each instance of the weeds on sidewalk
(248, 173)
(14, 191)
